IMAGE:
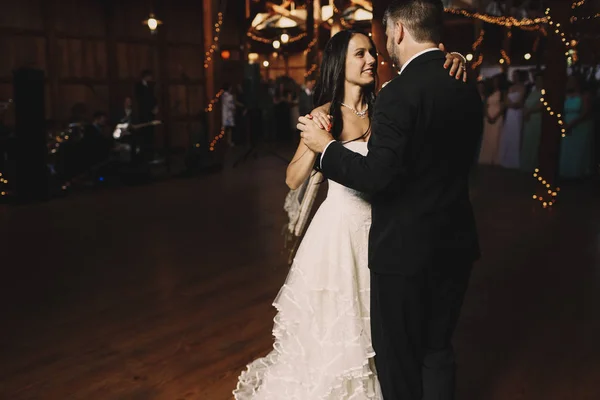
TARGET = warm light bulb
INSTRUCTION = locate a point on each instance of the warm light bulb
(265, 63)
(285, 38)
(469, 57)
(152, 23)
(527, 56)
(276, 44)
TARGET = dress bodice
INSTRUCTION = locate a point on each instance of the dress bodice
(534, 98)
(573, 105)
(343, 195)
(514, 96)
(494, 102)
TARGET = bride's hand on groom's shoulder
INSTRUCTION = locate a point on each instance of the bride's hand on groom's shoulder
(456, 62)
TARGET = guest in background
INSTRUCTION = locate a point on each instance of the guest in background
(532, 126)
(294, 104)
(510, 138)
(494, 120)
(483, 93)
(576, 147)
(127, 111)
(266, 106)
(306, 104)
(595, 93)
(228, 113)
(282, 113)
(147, 110)
(97, 141)
(241, 102)
(130, 137)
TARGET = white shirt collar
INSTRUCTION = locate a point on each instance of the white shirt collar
(417, 55)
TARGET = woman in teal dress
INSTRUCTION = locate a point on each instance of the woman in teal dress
(576, 147)
(532, 127)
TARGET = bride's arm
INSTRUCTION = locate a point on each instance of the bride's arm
(303, 161)
(300, 167)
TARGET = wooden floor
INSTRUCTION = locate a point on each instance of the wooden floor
(163, 291)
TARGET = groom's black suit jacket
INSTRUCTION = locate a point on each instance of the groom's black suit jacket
(425, 131)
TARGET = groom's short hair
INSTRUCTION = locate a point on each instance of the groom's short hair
(423, 18)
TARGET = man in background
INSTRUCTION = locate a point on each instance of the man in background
(147, 109)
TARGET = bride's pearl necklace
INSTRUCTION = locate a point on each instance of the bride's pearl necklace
(361, 114)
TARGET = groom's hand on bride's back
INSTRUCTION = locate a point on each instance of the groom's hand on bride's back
(456, 62)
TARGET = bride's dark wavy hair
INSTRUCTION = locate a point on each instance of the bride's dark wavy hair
(330, 85)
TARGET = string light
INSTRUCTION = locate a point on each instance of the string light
(549, 109)
(213, 101)
(220, 136)
(577, 4)
(292, 39)
(213, 47)
(3, 185)
(310, 46)
(550, 198)
(312, 69)
(477, 43)
(557, 29)
(505, 57)
(559, 120)
(502, 20)
(478, 62)
(593, 16)
(475, 46)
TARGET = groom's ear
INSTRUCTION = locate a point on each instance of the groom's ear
(399, 27)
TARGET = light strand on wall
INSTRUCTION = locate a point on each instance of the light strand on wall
(577, 4)
(213, 47)
(574, 19)
(558, 29)
(214, 101)
(312, 69)
(3, 185)
(477, 63)
(310, 46)
(505, 57)
(220, 136)
(502, 20)
(558, 117)
(292, 39)
(551, 198)
(477, 43)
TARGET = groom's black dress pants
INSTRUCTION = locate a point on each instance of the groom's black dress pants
(412, 323)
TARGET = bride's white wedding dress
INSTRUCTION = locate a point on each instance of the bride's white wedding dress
(322, 348)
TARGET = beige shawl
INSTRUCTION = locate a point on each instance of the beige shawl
(298, 204)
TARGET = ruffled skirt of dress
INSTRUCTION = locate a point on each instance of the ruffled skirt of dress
(322, 348)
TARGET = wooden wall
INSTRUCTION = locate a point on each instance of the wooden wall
(94, 50)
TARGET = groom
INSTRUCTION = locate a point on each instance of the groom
(423, 238)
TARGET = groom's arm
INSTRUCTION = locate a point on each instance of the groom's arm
(391, 127)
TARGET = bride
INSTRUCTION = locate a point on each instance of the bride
(322, 348)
